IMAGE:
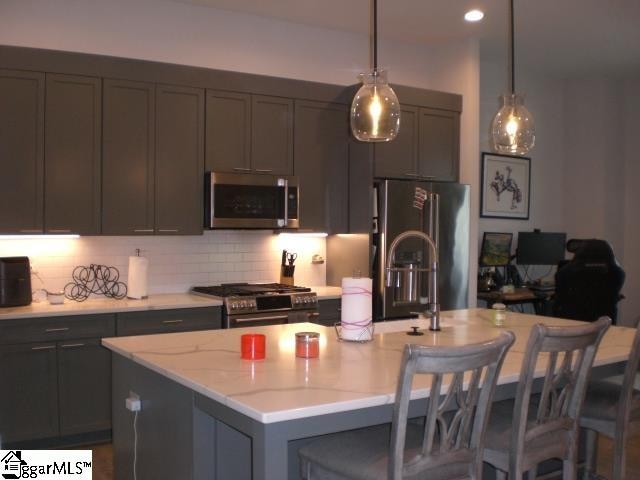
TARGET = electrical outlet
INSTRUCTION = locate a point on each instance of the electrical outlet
(133, 402)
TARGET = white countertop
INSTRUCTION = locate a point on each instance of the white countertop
(346, 376)
(327, 292)
(107, 305)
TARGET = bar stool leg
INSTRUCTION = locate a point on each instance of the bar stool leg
(591, 452)
(619, 455)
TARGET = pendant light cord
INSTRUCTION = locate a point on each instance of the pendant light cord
(512, 77)
(374, 47)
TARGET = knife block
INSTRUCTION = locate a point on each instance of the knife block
(286, 274)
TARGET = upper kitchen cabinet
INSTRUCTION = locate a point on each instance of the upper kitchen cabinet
(153, 159)
(399, 157)
(439, 149)
(179, 160)
(271, 135)
(322, 165)
(21, 151)
(249, 133)
(128, 162)
(228, 137)
(426, 148)
(72, 154)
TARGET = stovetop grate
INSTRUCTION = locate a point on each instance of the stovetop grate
(246, 289)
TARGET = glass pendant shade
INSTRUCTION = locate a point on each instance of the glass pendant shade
(375, 110)
(513, 130)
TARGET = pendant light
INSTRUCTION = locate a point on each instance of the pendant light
(513, 130)
(375, 110)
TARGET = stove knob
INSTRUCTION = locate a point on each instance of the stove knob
(243, 304)
(232, 306)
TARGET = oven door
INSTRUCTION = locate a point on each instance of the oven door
(251, 201)
(269, 318)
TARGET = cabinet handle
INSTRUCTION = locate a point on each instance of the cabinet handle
(30, 230)
(73, 345)
(168, 230)
(58, 230)
(53, 330)
(427, 177)
(264, 170)
(46, 347)
(143, 230)
(168, 322)
(239, 169)
(313, 314)
(410, 174)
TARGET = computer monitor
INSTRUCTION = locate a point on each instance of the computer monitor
(540, 248)
(496, 249)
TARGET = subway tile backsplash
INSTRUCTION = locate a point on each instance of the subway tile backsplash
(175, 263)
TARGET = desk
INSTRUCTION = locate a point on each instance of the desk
(206, 412)
(519, 296)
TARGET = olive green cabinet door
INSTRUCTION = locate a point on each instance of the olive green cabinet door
(29, 400)
(73, 120)
(399, 157)
(271, 135)
(128, 161)
(21, 151)
(84, 379)
(179, 160)
(322, 165)
(228, 134)
(439, 156)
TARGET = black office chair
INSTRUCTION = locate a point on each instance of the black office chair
(588, 286)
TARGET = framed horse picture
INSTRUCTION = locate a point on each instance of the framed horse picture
(505, 186)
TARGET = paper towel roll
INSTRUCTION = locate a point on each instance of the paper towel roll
(138, 277)
(356, 318)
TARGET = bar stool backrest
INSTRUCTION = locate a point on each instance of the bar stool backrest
(461, 392)
(569, 353)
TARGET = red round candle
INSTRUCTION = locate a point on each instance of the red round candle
(252, 346)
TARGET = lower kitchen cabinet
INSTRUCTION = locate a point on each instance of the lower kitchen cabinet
(167, 321)
(330, 312)
(55, 374)
(84, 382)
(29, 399)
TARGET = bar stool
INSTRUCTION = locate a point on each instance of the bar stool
(534, 428)
(612, 408)
(447, 446)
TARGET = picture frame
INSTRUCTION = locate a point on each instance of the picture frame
(505, 186)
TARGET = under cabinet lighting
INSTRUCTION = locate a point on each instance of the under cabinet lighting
(474, 15)
(302, 234)
(37, 237)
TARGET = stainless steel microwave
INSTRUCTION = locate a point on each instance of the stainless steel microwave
(236, 200)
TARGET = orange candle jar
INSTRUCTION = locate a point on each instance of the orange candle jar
(307, 344)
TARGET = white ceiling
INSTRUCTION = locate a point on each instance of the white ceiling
(564, 37)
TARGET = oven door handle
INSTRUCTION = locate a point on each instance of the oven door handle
(258, 319)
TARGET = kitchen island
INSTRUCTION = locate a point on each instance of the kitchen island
(208, 414)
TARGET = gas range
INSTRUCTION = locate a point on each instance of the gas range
(252, 304)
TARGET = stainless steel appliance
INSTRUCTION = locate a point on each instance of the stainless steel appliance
(403, 205)
(15, 281)
(257, 304)
(251, 201)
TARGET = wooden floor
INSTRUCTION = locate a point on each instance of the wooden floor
(103, 460)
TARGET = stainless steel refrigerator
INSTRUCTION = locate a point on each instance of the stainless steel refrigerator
(402, 205)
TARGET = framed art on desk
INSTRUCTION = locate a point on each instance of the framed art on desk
(505, 186)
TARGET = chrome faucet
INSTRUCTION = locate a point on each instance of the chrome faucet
(433, 307)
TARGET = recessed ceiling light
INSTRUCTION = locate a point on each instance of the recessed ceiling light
(474, 15)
